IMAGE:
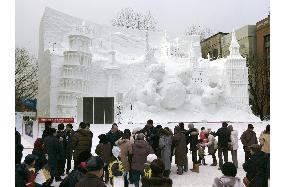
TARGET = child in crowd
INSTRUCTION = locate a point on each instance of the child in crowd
(200, 147)
(115, 168)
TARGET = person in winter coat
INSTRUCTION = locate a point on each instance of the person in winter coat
(201, 154)
(234, 145)
(114, 134)
(264, 140)
(212, 146)
(94, 167)
(157, 179)
(18, 147)
(223, 143)
(152, 136)
(68, 135)
(256, 167)
(125, 145)
(52, 150)
(248, 138)
(138, 157)
(38, 151)
(179, 142)
(193, 139)
(62, 140)
(78, 172)
(165, 144)
(46, 130)
(81, 141)
(103, 150)
(229, 178)
(185, 132)
(30, 164)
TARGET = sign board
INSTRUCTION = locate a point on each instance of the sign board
(29, 126)
(56, 120)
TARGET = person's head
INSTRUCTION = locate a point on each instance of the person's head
(250, 127)
(224, 124)
(127, 131)
(202, 128)
(103, 138)
(255, 148)
(181, 124)
(95, 166)
(47, 125)
(69, 127)
(190, 126)
(30, 160)
(60, 127)
(177, 129)
(159, 127)
(38, 144)
(199, 141)
(82, 125)
(88, 125)
(157, 167)
(209, 130)
(140, 136)
(150, 123)
(84, 156)
(52, 132)
(114, 128)
(229, 169)
(230, 127)
(126, 135)
(267, 129)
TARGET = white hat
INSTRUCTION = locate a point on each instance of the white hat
(151, 157)
(116, 151)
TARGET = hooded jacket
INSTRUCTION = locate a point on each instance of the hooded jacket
(139, 151)
(226, 181)
(82, 141)
(125, 146)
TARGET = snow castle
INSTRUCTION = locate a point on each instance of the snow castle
(146, 74)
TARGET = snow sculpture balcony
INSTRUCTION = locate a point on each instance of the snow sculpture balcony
(79, 43)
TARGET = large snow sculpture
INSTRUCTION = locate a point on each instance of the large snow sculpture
(173, 94)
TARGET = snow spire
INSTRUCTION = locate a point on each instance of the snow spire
(234, 47)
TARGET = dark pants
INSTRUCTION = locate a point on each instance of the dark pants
(222, 151)
(76, 163)
(52, 163)
(194, 156)
(247, 155)
(201, 158)
(126, 183)
(68, 165)
(106, 174)
(60, 167)
(214, 157)
(136, 177)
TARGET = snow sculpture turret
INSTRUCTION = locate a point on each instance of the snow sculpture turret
(236, 76)
(165, 47)
(74, 80)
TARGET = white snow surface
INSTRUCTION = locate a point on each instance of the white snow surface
(189, 179)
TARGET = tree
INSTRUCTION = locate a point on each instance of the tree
(259, 86)
(197, 29)
(26, 77)
(130, 19)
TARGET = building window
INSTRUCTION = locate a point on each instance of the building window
(267, 47)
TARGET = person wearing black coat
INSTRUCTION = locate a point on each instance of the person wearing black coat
(114, 134)
(21, 175)
(256, 167)
(68, 135)
(18, 147)
(186, 133)
(52, 149)
(46, 131)
(223, 143)
(193, 140)
(61, 158)
(78, 172)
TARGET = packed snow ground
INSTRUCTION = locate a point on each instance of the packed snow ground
(202, 179)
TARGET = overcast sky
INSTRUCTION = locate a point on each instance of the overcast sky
(172, 15)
